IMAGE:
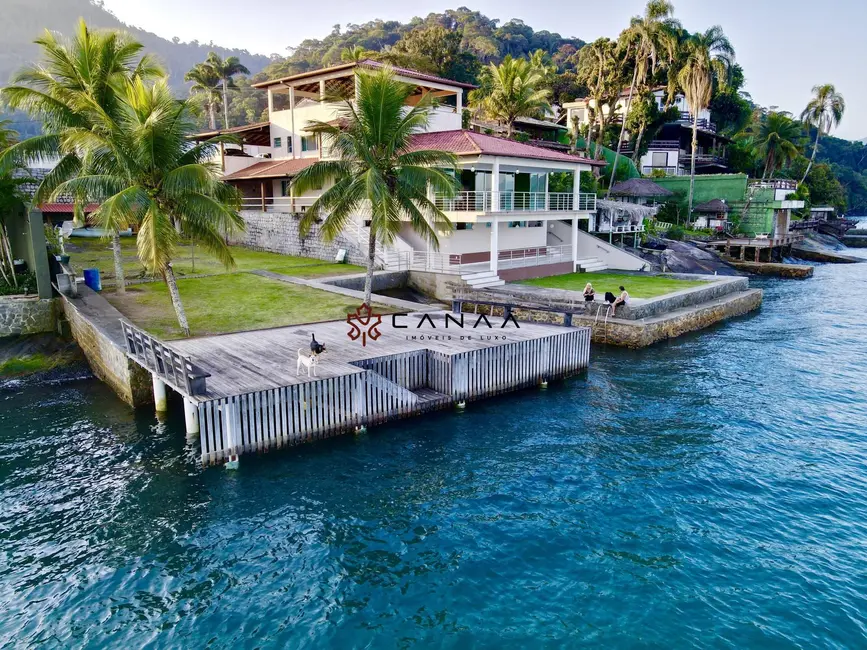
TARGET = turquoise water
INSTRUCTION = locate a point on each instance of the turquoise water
(710, 492)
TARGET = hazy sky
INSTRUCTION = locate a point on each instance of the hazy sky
(785, 46)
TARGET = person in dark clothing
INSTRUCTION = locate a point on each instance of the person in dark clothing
(589, 293)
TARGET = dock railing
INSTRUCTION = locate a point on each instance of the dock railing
(168, 364)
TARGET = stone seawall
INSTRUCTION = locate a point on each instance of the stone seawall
(95, 326)
(278, 232)
(20, 316)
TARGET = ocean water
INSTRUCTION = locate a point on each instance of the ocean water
(709, 492)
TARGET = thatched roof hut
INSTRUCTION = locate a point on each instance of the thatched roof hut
(716, 206)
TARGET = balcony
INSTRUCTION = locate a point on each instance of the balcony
(703, 124)
(515, 202)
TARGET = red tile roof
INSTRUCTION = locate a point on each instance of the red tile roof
(367, 63)
(467, 143)
(66, 207)
(271, 169)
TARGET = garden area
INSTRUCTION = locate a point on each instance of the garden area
(638, 286)
(192, 260)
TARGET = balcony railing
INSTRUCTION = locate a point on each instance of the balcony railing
(664, 145)
(514, 202)
(707, 125)
(669, 171)
(455, 264)
(702, 159)
(278, 203)
(776, 184)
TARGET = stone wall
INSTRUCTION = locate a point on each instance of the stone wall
(435, 285)
(95, 326)
(26, 315)
(278, 232)
(382, 280)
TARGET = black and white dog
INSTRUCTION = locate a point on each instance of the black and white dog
(311, 360)
(315, 346)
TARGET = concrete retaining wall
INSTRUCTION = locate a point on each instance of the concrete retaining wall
(278, 232)
(382, 281)
(27, 315)
(95, 326)
(435, 285)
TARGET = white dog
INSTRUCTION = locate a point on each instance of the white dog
(308, 360)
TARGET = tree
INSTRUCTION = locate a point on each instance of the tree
(823, 112)
(225, 70)
(11, 199)
(205, 83)
(644, 43)
(777, 142)
(376, 173)
(436, 50)
(707, 57)
(77, 81)
(142, 170)
(598, 70)
(515, 91)
(356, 54)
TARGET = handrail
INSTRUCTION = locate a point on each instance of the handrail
(289, 204)
(495, 201)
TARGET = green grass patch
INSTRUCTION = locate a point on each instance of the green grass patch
(36, 362)
(638, 286)
(190, 260)
(230, 303)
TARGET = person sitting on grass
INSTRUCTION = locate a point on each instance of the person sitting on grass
(623, 299)
(589, 294)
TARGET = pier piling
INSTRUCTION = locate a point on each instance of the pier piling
(160, 403)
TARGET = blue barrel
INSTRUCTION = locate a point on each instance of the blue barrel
(91, 279)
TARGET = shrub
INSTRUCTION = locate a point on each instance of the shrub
(676, 232)
(26, 284)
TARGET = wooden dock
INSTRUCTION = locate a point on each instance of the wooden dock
(248, 396)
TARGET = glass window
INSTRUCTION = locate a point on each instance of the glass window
(278, 142)
(289, 144)
(284, 188)
(660, 158)
(308, 143)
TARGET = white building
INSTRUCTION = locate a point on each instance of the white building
(506, 221)
(670, 152)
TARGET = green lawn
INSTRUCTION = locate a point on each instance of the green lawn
(95, 253)
(638, 286)
(230, 303)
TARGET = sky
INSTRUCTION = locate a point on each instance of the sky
(785, 46)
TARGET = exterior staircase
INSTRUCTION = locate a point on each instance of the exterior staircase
(590, 265)
(483, 279)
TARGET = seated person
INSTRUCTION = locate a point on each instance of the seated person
(589, 294)
(623, 299)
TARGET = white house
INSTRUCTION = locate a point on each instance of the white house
(670, 152)
(507, 222)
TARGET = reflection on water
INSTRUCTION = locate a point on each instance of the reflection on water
(707, 492)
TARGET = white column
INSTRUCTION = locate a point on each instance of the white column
(574, 242)
(191, 417)
(576, 188)
(322, 90)
(495, 186)
(459, 101)
(159, 394)
(495, 244)
(270, 102)
(292, 121)
(547, 198)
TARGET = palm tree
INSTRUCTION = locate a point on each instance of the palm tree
(205, 81)
(647, 39)
(824, 112)
(777, 142)
(376, 172)
(141, 169)
(77, 81)
(707, 56)
(356, 54)
(515, 91)
(598, 70)
(225, 70)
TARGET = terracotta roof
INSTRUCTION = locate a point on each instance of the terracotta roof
(235, 129)
(271, 169)
(715, 206)
(367, 63)
(639, 187)
(66, 207)
(467, 143)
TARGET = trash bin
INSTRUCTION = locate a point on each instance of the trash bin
(92, 280)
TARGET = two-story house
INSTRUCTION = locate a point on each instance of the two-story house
(507, 219)
(670, 152)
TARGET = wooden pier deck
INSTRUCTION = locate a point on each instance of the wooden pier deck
(253, 399)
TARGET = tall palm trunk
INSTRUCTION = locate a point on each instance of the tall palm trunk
(622, 128)
(212, 115)
(637, 144)
(119, 279)
(692, 163)
(171, 283)
(371, 264)
(813, 157)
(225, 103)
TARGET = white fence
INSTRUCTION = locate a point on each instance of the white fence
(514, 202)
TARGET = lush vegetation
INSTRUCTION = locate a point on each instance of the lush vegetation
(638, 286)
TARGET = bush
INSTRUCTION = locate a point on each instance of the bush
(26, 284)
(676, 233)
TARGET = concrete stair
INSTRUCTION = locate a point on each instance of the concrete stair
(591, 264)
(483, 279)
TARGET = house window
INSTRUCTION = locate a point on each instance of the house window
(289, 144)
(308, 143)
(463, 225)
(659, 158)
(284, 188)
(278, 142)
